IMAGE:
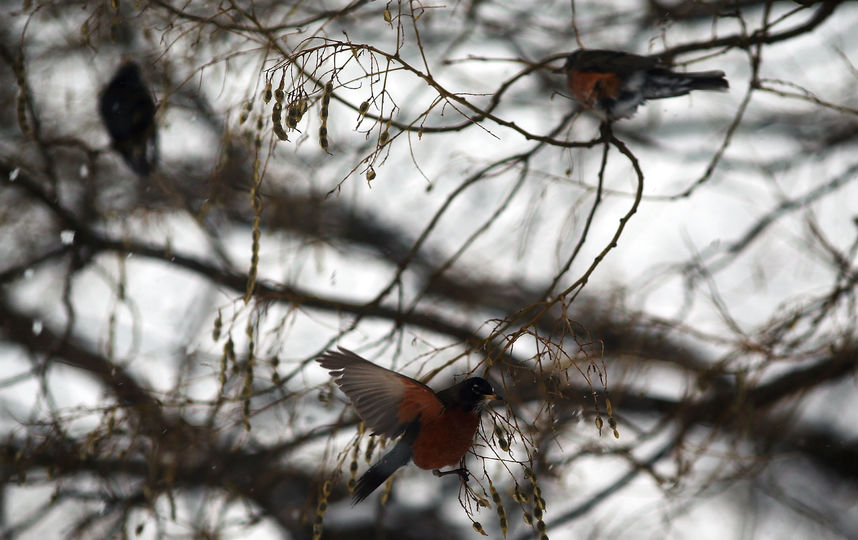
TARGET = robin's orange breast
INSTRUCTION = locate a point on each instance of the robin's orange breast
(444, 440)
(588, 87)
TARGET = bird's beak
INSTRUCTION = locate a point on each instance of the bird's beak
(493, 397)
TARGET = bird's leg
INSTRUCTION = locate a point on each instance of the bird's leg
(606, 131)
(463, 473)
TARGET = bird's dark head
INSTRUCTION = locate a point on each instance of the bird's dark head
(572, 59)
(128, 75)
(129, 68)
(472, 394)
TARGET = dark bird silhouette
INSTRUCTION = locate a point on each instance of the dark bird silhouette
(437, 429)
(128, 112)
(613, 84)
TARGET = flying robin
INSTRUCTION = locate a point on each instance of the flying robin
(613, 84)
(128, 113)
(437, 429)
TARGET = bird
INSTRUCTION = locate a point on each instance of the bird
(128, 112)
(436, 429)
(612, 84)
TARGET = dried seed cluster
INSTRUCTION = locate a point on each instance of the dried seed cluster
(321, 508)
(323, 115)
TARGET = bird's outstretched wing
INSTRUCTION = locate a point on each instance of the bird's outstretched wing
(384, 399)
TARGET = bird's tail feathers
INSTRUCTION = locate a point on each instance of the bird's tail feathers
(664, 83)
(140, 154)
(707, 80)
(381, 471)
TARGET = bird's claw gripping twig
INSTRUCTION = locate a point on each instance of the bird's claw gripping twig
(463, 473)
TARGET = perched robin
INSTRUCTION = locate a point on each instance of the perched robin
(437, 428)
(128, 113)
(612, 84)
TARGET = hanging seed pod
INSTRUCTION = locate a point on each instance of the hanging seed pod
(504, 444)
(280, 132)
(245, 416)
(266, 94)
(370, 447)
(494, 492)
(326, 100)
(363, 108)
(224, 365)
(502, 522)
(295, 111)
(229, 349)
(517, 496)
(275, 120)
(23, 123)
(501, 511)
(385, 495)
(292, 117)
(321, 508)
(245, 112)
(279, 95)
(218, 324)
